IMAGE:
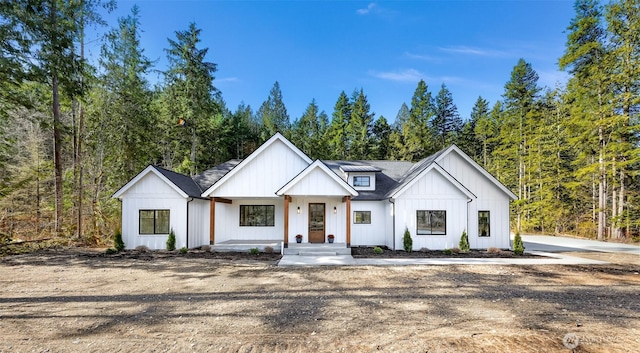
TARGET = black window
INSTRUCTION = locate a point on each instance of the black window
(154, 222)
(257, 215)
(362, 217)
(363, 181)
(484, 229)
(431, 223)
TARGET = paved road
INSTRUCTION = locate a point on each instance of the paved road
(563, 244)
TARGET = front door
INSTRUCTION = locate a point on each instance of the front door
(316, 223)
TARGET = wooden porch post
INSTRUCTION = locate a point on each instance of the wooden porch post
(212, 221)
(287, 199)
(347, 199)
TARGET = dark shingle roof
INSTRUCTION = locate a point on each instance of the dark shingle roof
(211, 176)
(389, 175)
(414, 171)
(183, 182)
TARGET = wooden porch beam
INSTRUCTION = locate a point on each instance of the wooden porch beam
(347, 199)
(212, 221)
(222, 200)
(287, 199)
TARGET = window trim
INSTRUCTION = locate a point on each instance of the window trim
(418, 232)
(267, 207)
(363, 177)
(355, 218)
(155, 221)
(488, 224)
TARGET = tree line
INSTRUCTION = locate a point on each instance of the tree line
(73, 133)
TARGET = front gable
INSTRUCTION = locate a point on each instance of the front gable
(435, 182)
(150, 182)
(472, 175)
(317, 180)
(261, 174)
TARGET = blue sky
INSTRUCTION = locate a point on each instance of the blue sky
(316, 49)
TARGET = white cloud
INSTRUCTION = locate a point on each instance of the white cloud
(408, 75)
(371, 7)
(465, 50)
(227, 80)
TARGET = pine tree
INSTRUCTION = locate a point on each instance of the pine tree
(381, 132)
(359, 128)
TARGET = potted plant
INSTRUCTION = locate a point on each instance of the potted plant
(299, 238)
(331, 238)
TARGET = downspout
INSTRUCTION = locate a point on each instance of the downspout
(189, 200)
(468, 216)
(393, 223)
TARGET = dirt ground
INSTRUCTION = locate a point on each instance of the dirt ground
(79, 300)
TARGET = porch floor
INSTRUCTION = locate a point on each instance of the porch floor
(246, 245)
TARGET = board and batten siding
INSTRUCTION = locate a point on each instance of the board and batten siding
(264, 175)
(376, 233)
(152, 193)
(316, 183)
(198, 223)
(228, 221)
(489, 198)
(334, 222)
(432, 192)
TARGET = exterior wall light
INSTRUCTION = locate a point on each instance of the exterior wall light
(298, 209)
(335, 209)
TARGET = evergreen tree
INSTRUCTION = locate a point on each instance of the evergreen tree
(446, 123)
(359, 129)
(396, 140)
(381, 132)
(337, 131)
(273, 115)
(191, 100)
(467, 140)
(308, 132)
(416, 134)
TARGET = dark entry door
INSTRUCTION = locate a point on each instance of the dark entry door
(316, 223)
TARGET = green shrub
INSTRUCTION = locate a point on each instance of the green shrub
(171, 241)
(464, 242)
(518, 246)
(184, 250)
(254, 251)
(118, 244)
(408, 242)
(377, 250)
(448, 252)
(111, 251)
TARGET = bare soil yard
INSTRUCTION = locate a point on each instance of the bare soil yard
(83, 301)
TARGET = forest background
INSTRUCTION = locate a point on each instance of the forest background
(72, 132)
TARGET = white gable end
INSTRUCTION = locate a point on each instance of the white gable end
(151, 186)
(317, 183)
(434, 186)
(264, 175)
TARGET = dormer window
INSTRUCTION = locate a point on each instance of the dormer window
(361, 181)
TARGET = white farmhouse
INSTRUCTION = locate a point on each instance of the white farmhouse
(278, 194)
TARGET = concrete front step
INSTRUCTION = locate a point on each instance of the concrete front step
(327, 249)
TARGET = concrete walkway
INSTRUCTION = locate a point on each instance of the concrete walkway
(348, 260)
(566, 244)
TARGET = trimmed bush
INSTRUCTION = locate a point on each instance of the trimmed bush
(407, 241)
(184, 250)
(377, 250)
(254, 251)
(518, 246)
(464, 242)
(456, 250)
(447, 251)
(268, 249)
(171, 241)
(111, 251)
(118, 244)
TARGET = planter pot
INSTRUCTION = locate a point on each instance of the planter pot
(330, 240)
(298, 239)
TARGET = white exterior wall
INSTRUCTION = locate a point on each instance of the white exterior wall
(489, 198)
(198, 223)
(376, 233)
(227, 221)
(335, 223)
(432, 192)
(372, 180)
(152, 193)
(263, 175)
(316, 183)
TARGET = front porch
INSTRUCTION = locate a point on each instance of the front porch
(323, 249)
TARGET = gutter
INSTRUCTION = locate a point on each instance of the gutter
(189, 200)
